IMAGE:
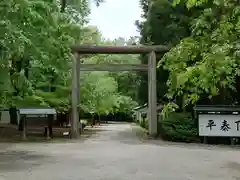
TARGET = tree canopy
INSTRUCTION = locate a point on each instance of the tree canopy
(35, 61)
(206, 62)
(203, 63)
(165, 25)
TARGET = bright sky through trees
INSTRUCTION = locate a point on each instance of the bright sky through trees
(115, 19)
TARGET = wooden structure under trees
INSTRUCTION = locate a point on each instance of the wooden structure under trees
(150, 68)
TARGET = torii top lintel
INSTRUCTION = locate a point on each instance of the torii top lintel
(86, 49)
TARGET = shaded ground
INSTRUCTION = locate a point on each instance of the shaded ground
(10, 133)
(116, 153)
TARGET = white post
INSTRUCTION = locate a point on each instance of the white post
(152, 95)
(75, 113)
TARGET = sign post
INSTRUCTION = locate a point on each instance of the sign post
(27, 113)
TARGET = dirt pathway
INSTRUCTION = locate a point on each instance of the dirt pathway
(115, 153)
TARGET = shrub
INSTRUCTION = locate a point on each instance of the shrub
(178, 127)
(144, 123)
(84, 123)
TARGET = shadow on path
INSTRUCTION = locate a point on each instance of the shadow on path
(20, 160)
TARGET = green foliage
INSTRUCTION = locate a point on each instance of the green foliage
(165, 25)
(206, 62)
(109, 92)
(144, 123)
(35, 58)
(35, 40)
(179, 127)
(99, 94)
(84, 123)
(168, 109)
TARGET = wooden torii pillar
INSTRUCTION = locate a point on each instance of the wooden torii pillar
(150, 67)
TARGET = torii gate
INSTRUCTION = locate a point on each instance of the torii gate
(79, 50)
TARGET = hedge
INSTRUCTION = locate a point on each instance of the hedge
(179, 127)
(143, 123)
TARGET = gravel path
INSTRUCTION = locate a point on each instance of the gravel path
(115, 153)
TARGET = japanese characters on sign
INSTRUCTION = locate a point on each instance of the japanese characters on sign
(219, 125)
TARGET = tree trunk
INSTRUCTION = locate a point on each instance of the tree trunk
(63, 5)
(13, 115)
(17, 67)
(93, 121)
(99, 119)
